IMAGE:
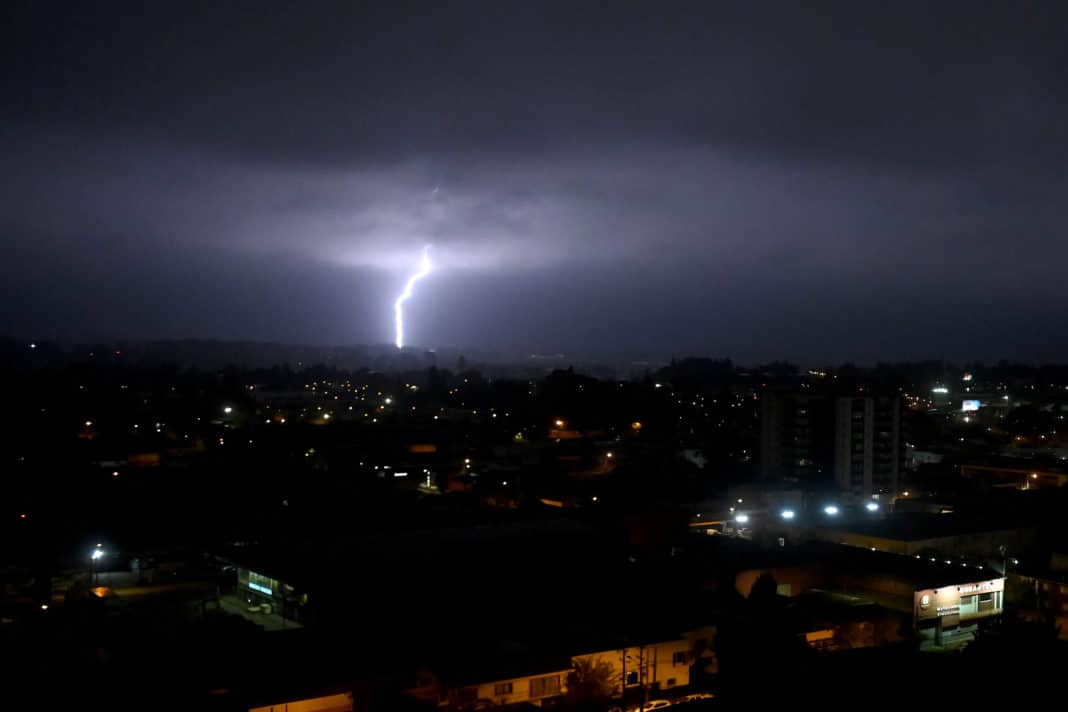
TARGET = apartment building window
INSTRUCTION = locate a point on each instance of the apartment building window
(632, 678)
(545, 686)
(679, 658)
(502, 688)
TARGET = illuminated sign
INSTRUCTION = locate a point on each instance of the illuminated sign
(945, 602)
(261, 583)
(973, 587)
(970, 406)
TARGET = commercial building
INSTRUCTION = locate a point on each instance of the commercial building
(937, 536)
(956, 607)
(270, 595)
(935, 599)
(851, 441)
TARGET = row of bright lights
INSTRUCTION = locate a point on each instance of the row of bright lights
(831, 510)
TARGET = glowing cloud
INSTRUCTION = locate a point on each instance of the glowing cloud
(398, 306)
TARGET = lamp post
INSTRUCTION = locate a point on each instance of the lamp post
(97, 554)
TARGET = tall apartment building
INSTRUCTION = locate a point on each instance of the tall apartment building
(820, 438)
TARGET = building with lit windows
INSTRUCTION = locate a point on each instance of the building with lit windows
(531, 684)
(852, 442)
(259, 590)
(941, 600)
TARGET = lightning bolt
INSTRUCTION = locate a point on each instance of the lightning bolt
(398, 306)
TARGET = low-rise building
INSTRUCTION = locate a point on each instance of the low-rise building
(655, 666)
(517, 674)
(933, 596)
(912, 534)
(325, 703)
(532, 683)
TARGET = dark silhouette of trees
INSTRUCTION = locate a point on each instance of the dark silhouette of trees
(761, 642)
(590, 686)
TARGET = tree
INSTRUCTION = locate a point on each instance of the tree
(590, 685)
(765, 590)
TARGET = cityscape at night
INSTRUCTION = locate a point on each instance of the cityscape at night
(592, 356)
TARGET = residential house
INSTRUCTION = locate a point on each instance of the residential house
(656, 666)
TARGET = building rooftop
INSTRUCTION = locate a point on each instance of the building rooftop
(736, 555)
(914, 526)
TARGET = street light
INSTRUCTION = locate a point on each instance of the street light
(871, 507)
(787, 514)
(830, 510)
(96, 555)
(742, 519)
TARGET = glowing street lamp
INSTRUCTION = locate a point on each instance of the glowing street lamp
(787, 514)
(830, 510)
(97, 554)
(871, 507)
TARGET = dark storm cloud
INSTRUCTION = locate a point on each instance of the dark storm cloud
(832, 181)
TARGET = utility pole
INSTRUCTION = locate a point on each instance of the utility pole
(641, 676)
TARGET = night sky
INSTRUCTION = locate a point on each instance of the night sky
(813, 181)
